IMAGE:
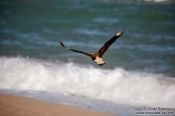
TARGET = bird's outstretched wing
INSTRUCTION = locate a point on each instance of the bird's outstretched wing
(108, 43)
(78, 51)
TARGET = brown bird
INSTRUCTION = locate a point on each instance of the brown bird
(97, 56)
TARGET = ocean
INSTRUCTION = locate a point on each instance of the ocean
(139, 72)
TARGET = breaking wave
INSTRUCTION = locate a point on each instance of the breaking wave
(114, 85)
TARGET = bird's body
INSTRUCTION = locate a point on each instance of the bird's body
(97, 56)
(99, 60)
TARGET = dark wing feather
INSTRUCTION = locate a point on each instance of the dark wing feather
(106, 45)
(78, 51)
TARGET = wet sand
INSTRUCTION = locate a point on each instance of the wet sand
(11, 105)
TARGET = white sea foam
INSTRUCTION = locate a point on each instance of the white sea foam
(116, 85)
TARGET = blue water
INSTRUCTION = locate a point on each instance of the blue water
(33, 29)
(141, 63)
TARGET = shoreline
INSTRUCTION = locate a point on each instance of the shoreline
(24, 106)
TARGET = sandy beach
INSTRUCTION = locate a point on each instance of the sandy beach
(11, 105)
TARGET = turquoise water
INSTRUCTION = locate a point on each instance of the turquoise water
(140, 65)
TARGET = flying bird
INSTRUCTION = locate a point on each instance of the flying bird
(97, 56)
